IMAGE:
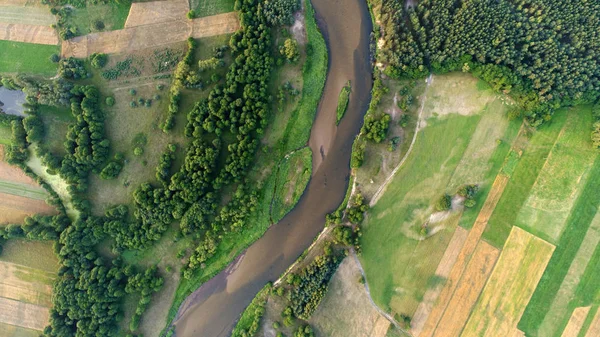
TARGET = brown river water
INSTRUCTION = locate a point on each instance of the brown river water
(212, 310)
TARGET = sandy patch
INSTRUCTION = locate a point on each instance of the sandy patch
(22, 207)
(149, 36)
(28, 33)
(25, 315)
(145, 13)
(298, 28)
(576, 322)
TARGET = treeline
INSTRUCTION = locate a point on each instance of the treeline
(543, 52)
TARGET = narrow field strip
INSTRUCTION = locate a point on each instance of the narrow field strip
(22, 190)
(25, 315)
(23, 205)
(25, 277)
(594, 329)
(17, 331)
(36, 34)
(465, 255)
(559, 307)
(40, 16)
(509, 288)
(26, 293)
(576, 322)
(443, 270)
(149, 36)
(466, 294)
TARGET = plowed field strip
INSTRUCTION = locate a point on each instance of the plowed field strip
(478, 270)
(28, 33)
(594, 329)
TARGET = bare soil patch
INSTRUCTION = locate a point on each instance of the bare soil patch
(149, 36)
(576, 322)
(25, 315)
(28, 33)
(13, 173)
(144, 13)
(15, 208)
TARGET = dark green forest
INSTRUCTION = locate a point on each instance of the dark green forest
(544, 53)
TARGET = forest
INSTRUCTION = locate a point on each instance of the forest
(544, 53)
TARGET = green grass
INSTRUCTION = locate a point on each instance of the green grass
(56, 124)
(388, 240)
(211, 7)
(343, 100)
(579, 221)
(313, 73)
(292, 177)
(5, 134)
(253, 312)
(23, 190)
(522, 180)
(20, 57)
(33, 254)
(113, 14)
(563, 174)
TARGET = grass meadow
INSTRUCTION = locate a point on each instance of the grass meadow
(112, 14)
(28, 58)
(292, 177)
(211, 7)
(451, 150)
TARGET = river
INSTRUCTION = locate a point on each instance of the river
(212, 310)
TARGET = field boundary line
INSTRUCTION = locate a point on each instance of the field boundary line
(389, 179)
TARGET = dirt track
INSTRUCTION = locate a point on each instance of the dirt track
(149, 36)
(28, 33)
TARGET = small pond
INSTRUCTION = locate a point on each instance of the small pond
(11, 102)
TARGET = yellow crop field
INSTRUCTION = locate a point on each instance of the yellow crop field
(523, 260)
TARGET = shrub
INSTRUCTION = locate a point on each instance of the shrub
(54, 58)
(444, 203)
(191, 14)
(596, 135)
(138, 151)
(470, 203)
(289, 50)
(132, 92)
(110, 101)
(99, 25)
(98, 60)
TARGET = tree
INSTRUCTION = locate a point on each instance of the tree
(110, 101)
(191, 14)
(289, 50)
(98, 60)
(444, 203)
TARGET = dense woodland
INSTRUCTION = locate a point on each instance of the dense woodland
(224, 132)
(545, 53)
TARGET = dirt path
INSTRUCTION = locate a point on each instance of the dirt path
(383, 186)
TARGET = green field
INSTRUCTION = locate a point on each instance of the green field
(292, 177)
(27, 58)
(571, 278)
(211, 7)
(458, 149)
(32, 254)
(112, 14)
